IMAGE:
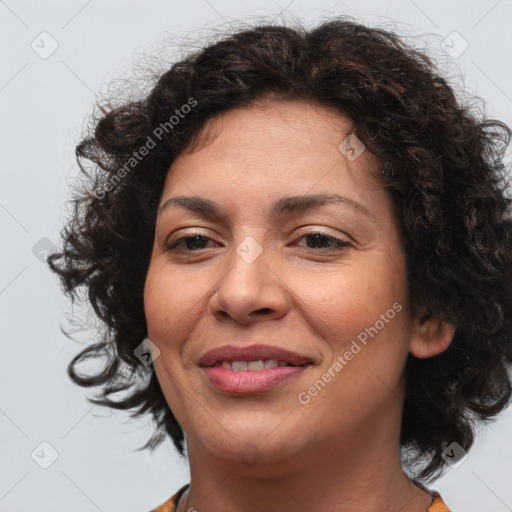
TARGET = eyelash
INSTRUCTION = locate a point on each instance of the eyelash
(342, 244)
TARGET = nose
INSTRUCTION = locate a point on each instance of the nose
(251, 288)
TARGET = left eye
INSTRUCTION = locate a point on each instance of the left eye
(321, 238)
(196, 242)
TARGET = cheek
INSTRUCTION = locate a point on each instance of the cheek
(349, 303)
(175, 305)
(160, 303)
(164, 307)
(362, 316)
(368, 350)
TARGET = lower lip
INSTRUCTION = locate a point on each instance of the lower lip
(250, 382)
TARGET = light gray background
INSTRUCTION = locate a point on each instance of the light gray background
(44, 102)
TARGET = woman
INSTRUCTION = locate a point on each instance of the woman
(300, 247)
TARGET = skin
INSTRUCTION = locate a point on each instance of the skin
(339, 452)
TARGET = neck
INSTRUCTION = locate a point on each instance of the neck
(363, 474)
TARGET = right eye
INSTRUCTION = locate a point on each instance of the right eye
(191, 241)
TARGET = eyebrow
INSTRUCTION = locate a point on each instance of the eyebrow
(284, 206)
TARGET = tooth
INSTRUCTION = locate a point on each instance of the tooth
(256, 366)
(239, 366)
(253, 366)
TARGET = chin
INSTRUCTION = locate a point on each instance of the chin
(251, 445)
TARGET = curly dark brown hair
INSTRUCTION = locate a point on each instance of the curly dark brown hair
(441, 163)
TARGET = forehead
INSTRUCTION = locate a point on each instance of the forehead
(286, 143)
(272, 121)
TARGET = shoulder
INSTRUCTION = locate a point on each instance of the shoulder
(170, 504)
(437, 505)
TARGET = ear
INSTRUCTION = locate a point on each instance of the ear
(430, 336)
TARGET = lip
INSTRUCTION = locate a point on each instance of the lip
(245, 382)
(251, 353)
(261, 381)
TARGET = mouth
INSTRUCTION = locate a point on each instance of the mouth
(252, 358)
(256, 365)
(236, 370)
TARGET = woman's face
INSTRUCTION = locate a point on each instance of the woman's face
(326, 281)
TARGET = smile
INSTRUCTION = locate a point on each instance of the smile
(252, 366)
(237, 378)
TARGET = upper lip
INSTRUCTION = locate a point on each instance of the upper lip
(251, 353)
